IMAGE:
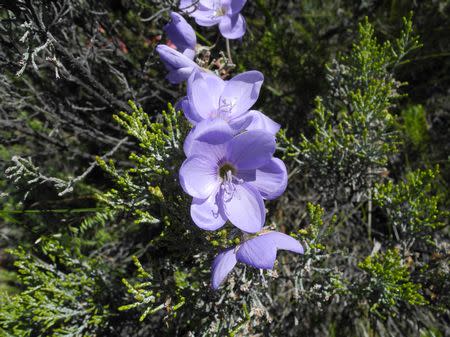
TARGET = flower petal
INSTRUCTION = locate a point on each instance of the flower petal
(232, 27)
(206, 213)
(262, 122)
(190, 6)
(261, 251)
(270, 180)
(223, 264)
(179, 75)
(208, 3)
(203, 91)
(181, 33)
(285, 242)
(174, 59)
(236, 6)
(243, 91)
(240, 123)
(190, 53)
(187, 5)
(251, 149)
(244, 208)
(191, 116)
(205, 17)
(199, 176)
(179, 65)
(210, 131)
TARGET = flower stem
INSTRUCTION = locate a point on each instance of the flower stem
(230, 60)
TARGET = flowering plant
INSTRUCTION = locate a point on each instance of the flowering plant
(108, 247)
(230, 169)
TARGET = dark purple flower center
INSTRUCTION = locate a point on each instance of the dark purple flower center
(224, 169)
(227, 173)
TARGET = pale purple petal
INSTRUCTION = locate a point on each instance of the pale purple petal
(262, 122)
(223, 264)
(233, 26)
(208, 3)
(206, 17)
(285, 242)
(181, 34)
(214, 152)
(243, 91)
(245, 208)
(192, 116)
(206, 213)
(174, 59)
(203, 91)
(236, 6)
(199, 176)
(190, 53)
(179, 65)
(187, 5)
(191, 6)
(241, 123)
(188, 142)
(179, 75)
(210, 131)
(261, 251)
(270, 180)
(251, 149)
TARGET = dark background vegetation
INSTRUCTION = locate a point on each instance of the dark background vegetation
(68, 66)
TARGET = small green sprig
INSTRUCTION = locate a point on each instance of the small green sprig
(388, 283)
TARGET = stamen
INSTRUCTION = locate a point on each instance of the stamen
(221, 11)
(225, 108)
(229, 181)
(228, 186)
(226, 105)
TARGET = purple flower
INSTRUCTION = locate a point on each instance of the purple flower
(180, 66)
(259, 252)
(210, 97)
(181, 34)
(225, 13)
(229, 176)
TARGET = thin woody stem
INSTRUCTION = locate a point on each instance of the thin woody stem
(369, 206)
(230, 60)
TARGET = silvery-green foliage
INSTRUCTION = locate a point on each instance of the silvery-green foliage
(354, 132)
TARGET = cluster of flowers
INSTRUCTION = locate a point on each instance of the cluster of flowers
(230, 169)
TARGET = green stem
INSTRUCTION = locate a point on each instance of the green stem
(204, 39)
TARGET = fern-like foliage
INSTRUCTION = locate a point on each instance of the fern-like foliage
(60, 295)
